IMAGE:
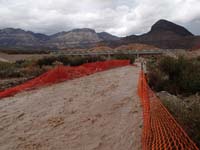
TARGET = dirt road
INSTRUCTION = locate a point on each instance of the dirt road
(97, 112)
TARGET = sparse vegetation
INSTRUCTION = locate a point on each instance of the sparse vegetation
(19, 69)
(78, 60)
(31, 68)
(27, 68)
(186, 110)
(180, 77)
(24, 51)
(129, 57)
(177, 76)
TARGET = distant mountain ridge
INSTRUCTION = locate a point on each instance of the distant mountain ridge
(163, 34)
(77, 38)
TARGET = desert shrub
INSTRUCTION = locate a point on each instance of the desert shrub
(22, 68)
(189, 80)
(25, 68)
(63, 59)
(177, 76)
(24, 63)
(76, 61)
(66, 60)
(31, 71)
(8, 70)
(156, 80)
(46, 61)
(69, 60)
(169, 66)
(32, 68)
(90, 59)
(124, 57)
(24, 51)
(198, 58)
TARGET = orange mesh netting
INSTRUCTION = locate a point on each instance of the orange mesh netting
(160, 130)
(62, 73)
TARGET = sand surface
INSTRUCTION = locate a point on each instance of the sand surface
(98, 112)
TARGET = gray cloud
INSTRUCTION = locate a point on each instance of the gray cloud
(119, 17)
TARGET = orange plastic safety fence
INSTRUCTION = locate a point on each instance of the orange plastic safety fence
(63, 73)
(160, 130)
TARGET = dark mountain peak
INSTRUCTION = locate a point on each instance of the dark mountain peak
(164, 25)
(107, 37)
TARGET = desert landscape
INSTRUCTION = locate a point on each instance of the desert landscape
(100, 75)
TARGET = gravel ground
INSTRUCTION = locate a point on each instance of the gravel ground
(98, 112)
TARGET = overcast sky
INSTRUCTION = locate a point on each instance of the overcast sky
(118, 17)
